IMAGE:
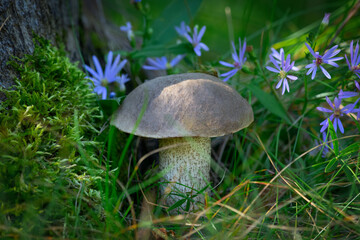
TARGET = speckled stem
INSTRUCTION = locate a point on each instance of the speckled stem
(186, 169)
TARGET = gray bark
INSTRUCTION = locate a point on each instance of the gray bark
(60, 22)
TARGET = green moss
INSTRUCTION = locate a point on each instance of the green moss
(48, 151)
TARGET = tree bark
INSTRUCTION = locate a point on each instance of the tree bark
(61, 22)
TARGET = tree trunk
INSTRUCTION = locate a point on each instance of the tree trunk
(61, 22)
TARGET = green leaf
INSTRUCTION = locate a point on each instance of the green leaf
(351, 149)
(269, 102)
(109, 106)
(177, 204)
(331, 165)
(161, 50)
(175, 12)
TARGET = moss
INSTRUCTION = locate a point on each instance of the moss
(48, 149)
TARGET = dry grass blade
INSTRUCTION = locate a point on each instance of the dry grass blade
(341, 211)
(172, 219)
(272, 226)
(275, 177)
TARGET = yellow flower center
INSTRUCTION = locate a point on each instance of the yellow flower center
(319, 61)
(282, 74)
(357, 67)
(337, 113)
(104, 82)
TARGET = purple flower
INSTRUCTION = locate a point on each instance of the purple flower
(162, 63)
(354, 64)
(349, 94)
(327, 58)
(195, 40)
(326, 18)
(358, 113)
(122, 80)
(128, 29)
(277, 55)
(336, 114)
(102, 79)
(239, 60)
(183, 29)
(283, 71)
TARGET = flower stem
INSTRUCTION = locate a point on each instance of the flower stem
(306, 94)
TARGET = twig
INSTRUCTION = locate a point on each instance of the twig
(2, 25)
(349, 16)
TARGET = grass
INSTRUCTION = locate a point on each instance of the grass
(66, 174)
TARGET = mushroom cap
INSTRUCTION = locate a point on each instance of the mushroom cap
(183, 105)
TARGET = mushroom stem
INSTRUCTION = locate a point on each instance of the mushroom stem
(186, 168)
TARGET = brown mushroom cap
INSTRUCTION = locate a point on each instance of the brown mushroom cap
(184, 105)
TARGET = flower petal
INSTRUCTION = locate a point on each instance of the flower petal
(156, 63)
(226, 64)
(357, 85)
(118, 68)
(335, 124)
(187, 36)
(310, 50)
(228, 74)
(337, 102)
(242, 51)
(347, 94)
(272, 69)
(324, 109)
(314, 72)
(197, 50)
(275, 63)
(356, 54)
(98, 67)
(201, 33)
(325, 125)
(334, 59)
(231, 73)
(203, 46)
(291, 77)
(94, 80)
(109, 62)
(92, 72)
(150, 67)
(329, 53)
(176, 60)
(325, 72)
(283, 87)
(340, 126)
(351, 52)
(331, 63)
(329, 102)
(347, 61)
(104, 93)
(309, 66)
(279, 83)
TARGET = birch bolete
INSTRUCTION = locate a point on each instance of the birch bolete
(184, 111)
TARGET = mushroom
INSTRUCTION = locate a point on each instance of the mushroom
(184, 111)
